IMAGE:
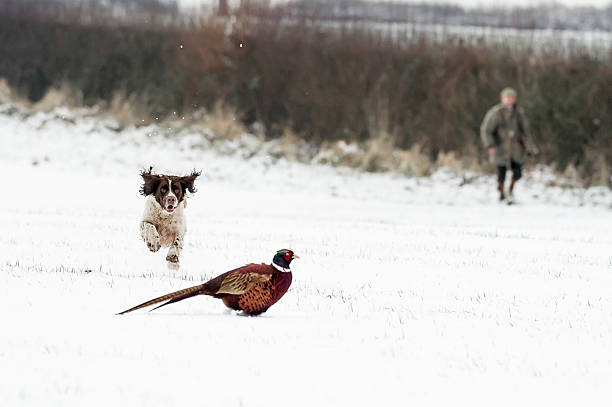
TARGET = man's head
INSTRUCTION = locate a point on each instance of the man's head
(508, 97)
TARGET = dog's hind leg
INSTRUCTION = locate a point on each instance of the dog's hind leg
(174, 252)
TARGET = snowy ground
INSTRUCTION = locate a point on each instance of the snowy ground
(408, 291)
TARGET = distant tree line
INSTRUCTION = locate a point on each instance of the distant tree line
(538, 16)
(348, 84)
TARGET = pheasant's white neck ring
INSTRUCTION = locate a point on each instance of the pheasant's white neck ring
(281, 269)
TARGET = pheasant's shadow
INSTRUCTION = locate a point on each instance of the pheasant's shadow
(228, 313)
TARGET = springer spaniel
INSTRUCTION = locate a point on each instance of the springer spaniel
(163, 221)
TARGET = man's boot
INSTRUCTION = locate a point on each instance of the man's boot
(500, 188)
(511, 192)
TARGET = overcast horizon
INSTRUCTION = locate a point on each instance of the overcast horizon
(462, 3)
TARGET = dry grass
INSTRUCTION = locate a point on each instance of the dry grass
(8, 95)
(53, 98)
(58, 97)
(291, 146)
(460, 163)
(380, 155)
(601, 175)
(340, 153)
(127, 111)
(5, 91)
(414, 161)
(221, 120)
(571, 174)
(377, 155)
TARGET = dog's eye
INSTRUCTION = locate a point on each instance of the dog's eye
(163, 189)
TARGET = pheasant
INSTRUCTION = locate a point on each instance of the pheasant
(252, 288)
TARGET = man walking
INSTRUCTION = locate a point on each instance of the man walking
(505, 134)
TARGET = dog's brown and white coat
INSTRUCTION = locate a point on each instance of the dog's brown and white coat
(163, 220)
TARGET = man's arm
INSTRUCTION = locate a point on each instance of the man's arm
(487, 129)
(525, 136)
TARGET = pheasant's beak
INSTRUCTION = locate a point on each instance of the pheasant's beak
(295, 256)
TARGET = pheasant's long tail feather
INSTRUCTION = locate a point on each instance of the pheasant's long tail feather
(180, 298)
(173, 297)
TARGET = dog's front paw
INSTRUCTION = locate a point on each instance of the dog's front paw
(173, 265)
(172, 258)
(153, 241)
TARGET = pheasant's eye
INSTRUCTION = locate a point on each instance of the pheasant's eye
(288, 255)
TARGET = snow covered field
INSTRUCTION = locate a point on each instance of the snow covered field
(408, 291)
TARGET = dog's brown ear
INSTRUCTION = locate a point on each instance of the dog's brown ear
(188, 181)
(151, 182)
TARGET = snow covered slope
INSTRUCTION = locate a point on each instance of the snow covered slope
(408, 291)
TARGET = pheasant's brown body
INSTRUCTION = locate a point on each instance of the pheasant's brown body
(262, 294)
(252, 288)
